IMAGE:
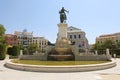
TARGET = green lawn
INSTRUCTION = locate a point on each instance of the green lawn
(57, 63)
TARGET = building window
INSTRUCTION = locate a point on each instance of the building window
(80, 46)
(45, 43)
(98, 42)
(70, 36)
(14, 43)
(79, 36)
(73, 42)
(75, 36)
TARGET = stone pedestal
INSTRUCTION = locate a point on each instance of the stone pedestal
(62, 40)
(62, 50)
(62, 31)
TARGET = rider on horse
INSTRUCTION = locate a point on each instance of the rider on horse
(63, 16)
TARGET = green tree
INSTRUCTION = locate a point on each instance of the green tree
(2, 33)
(9, 50)
(2, 51)
(52, 44)
(2, 42)
(117, 50)
(97, 46)
(39, 50)
(32, 48)
(25, 51)
(108, 44)
(15, 50)
(118, 44)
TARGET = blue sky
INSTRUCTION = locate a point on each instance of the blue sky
(95, 17)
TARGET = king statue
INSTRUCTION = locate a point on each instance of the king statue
(63, 16)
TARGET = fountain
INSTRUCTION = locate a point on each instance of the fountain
(62, 50)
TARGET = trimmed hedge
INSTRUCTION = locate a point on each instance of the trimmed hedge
(9, 50)
(15, 50)
(25, 51)
(2, 51)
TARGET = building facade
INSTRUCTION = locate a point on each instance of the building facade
(24, 38)
(41, 42)
(115, 38)
(78, 38)
(11, 40)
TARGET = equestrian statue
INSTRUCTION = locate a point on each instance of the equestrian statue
(63, 16)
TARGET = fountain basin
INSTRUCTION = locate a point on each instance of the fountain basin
(61, 57)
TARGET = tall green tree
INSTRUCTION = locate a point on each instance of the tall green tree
(15, 50)
(2, 42)
(97, 46)
(32, 48)
(118, 44)
(108, 44)
(2, 51)
(2, 33)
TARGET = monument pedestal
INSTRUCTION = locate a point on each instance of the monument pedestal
(62, 50)
(62, 31)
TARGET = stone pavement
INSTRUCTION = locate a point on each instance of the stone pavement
(108, 74)
(111, 77)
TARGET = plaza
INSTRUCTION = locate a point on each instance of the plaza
(107, 74)
(67, 38)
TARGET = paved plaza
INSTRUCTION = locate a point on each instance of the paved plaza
(108, 74)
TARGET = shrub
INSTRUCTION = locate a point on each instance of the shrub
(15, 50)
(2, 51)
(9, 51)
(25, 51)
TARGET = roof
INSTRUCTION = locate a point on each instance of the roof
(110, 35)
(9, 35)
(25, 33)
(40, 38)
(74, 29)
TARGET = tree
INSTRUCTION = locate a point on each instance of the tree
(97, 46)
(118, 44)
(49, 43)
(108, 44)
(25, 51)
(117, 50)
(2, 43)
(2, 51)
(15, 50)
(9, 50)
(32, 48)
(2, 32)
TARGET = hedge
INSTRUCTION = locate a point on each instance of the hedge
(15, 50)
(9, 51)
(2, 51)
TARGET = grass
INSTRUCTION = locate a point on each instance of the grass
(56, 63)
